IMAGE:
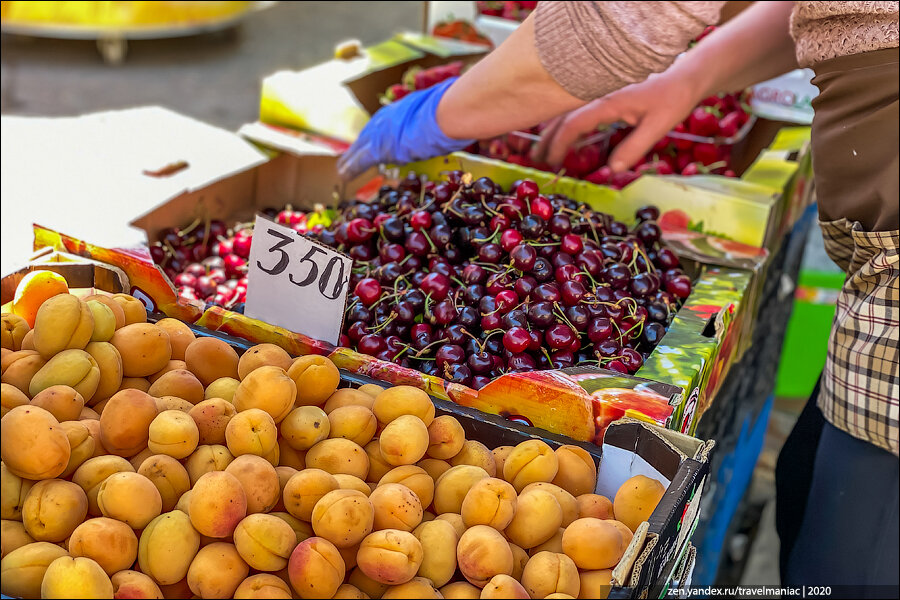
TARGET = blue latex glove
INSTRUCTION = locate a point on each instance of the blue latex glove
(400, 133)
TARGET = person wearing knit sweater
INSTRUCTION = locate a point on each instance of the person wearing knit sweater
(583, 64)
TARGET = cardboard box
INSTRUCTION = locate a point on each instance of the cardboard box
(337, 98)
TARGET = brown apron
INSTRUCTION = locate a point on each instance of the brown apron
(855, 162)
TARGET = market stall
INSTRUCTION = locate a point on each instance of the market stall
(468, 375)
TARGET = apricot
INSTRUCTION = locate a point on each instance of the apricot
(304, 489)
(13, 536)
(349, 591)
(530, 461)
(538, 517)
(61, 401)
(343, 517)
(476, 454)
(13, 329)
(132, 584)
(305, 426)
(125, 422)
(554, 544)
(567, 501)
(595, 584)
(135, 383)
(180, 336)
(263, 585)
(32, 444)
(267, 388)
(593, 544)
(504, 586)
(210, 358)
(404, 440)
(218, 503)
(520, 559)
(434, 467)
(179, 589)
(74, 368)
(438, 539)
(460, 590)
(211, 417)
(627, 534)
(223, 387)
(403, 400)
(94, 472)
(169, 476)
(339, 456)
(316, 569)
(396, 507)
(134, 310)
(167, 546)
(453, 486)
(302, 529)
(594, 505)
(174, 434)
(491, 502)
(112, 544)
(53, 509)
(172, 365)
(390, 556)
(577, 473)
(417, 587)
(172, 403)
(551, 573)
(482, 553)
(264, 541)
(636, 500)
(12, 397)
(130, 498)
(68, 577)
(19, 368)
(144, 347)
(109, 362)
(259, 480)
(348, 397)
(33, 290)
(104, 321)
(365, 584)
(252, 431)
(111, 304)
(446, 438)
(207, 459)
(23, 569)
(63, 322)
(263, 355)
(180, 383)
(378, 467)
(316, 377)
(456, 520)
(217, 571)
(355, 423)
(27, 342)
(413, 477)
(89, 414)
(81, 444)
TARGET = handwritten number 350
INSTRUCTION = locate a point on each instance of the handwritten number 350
(284, 260)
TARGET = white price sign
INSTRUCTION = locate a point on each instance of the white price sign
(295, 282)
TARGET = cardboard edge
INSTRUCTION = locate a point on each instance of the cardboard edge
(632, 552)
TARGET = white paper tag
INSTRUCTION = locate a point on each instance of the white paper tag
(295, 282)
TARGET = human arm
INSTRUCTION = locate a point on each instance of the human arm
(754, 46)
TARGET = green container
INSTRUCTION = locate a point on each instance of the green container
(806, 340)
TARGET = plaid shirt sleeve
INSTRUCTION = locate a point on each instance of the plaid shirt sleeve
(861, 384)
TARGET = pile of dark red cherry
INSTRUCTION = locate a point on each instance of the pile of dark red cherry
(465, 280)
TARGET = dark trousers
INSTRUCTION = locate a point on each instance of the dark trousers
(836, 508)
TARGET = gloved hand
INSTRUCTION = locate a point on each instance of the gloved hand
(402, 132)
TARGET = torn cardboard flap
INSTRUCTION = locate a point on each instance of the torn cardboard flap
(86, 175)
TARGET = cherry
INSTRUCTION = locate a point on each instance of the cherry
(457, 373)
(392, 252)
(653, 333)
(241, 244)
(479, 381)
(506, 300)
(437, 285)
(617, 275)
(561, 258)
(420, 220)
(579, 316)
(559, 336)
(542, 208)
(632, 359)
(490, 322)
(417, 244)
(532, 226)
(490, 253)
(559, 225)
(449, 354)
(474, 293)
(572, 292)
(540, 315)
(523, 257)
(199, 270)
(679, 286)
(517, 317)
(648, 232)
(185, 280)
(644, 284)
(608, 348)
(372, 344)
(521, 362)
(600, 330)
(524, 286)
(516, 340)
(571, 244)
(527, 190)
(500, 223)
(474, 274)
(647, 213)
(616, 365)
(666, 259)
(479, 362)
(618, 229)
(509, 239)
(542, 271)
(569, 272)
(562, 359)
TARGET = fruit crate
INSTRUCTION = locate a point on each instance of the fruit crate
(631, 447)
